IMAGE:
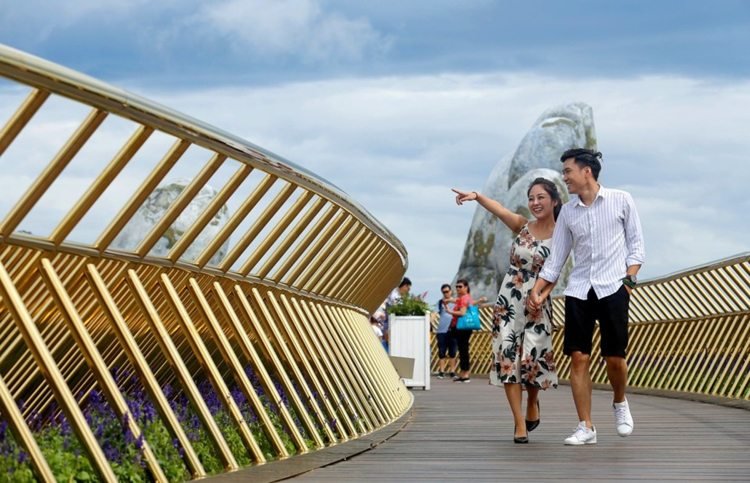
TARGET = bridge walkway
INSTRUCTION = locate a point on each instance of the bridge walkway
(463, 432)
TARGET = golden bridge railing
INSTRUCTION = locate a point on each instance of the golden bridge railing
(246, 339)
(689, 333)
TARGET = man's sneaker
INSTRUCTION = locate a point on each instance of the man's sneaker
(623, 418)
(441, 375)
(582, 435)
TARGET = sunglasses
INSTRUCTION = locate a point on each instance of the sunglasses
(459, 286)
(446, 291)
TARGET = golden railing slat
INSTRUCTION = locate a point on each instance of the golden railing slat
(354, 396)
(229, 356)
(283, 349)
(304, 243)
(21, 117)
(45, 361)
(290, 238)
(265, 343)
(24, 435)
(130, 346)
(324, 245)
(303, 263)
(148, 185)
(312, 367)
(350, 364)
(52, 171)
(321, 357)
(102, 182)
(247, 348)
(244, 209)
(174, 210)
(330, 267)
(274, 234)
(171, 353)
(257, 227)
(97, 364)
(221, 198)
(297, 359)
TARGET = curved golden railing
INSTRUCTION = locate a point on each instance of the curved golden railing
(245, 340)
(689, 333)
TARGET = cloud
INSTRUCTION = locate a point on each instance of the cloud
(398, 144)
(37, 20)
(292, 28)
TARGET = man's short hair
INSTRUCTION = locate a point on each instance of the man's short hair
(405, 281)
(585, 157)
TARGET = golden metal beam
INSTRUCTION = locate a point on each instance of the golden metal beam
(102, 182)
(52, 171)
(37, 347)
(134, 354)
(86, 345)
(21, 117)
(143, 192)
(176, 208)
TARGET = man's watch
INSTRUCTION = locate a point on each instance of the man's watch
(630, 280)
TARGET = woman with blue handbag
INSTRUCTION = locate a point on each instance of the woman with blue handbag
(461, 335)
(522, 340)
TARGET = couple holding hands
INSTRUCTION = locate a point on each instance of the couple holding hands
(602, 229)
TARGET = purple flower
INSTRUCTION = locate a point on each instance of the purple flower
(149, 412)
(129, 438)
(111, 452)
(178, 447)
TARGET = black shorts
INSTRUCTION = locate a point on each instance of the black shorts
(446, 344)
(612, 314)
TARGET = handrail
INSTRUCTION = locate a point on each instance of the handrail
(40, 73)
(689, 333)
(244, 339)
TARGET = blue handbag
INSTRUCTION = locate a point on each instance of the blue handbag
(470, 320)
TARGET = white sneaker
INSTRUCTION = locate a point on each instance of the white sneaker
(582, 435)
(623, 418)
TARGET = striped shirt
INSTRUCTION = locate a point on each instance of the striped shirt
(606, 239)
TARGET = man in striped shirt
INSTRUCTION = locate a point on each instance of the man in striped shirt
(602, 228)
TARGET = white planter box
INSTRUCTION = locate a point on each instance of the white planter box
(410, 337)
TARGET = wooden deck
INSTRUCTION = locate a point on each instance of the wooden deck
(463, 432)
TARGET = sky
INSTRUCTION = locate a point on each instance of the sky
(395, 102)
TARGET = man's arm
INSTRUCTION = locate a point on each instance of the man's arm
(633, 239)
(562, 243)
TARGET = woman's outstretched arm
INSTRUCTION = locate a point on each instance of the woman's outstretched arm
(512, 220)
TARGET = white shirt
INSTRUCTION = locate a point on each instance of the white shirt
(393, 297)
(606, 239)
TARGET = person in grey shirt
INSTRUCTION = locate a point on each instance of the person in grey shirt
(447, 345)
(602, 228)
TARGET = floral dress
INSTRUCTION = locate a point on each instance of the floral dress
(522, 341)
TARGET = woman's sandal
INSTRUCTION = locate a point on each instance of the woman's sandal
(520, 439)
(532, 425)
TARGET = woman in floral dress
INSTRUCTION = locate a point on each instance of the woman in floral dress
(522, 341)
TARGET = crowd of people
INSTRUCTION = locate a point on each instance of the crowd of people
(601, 228)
